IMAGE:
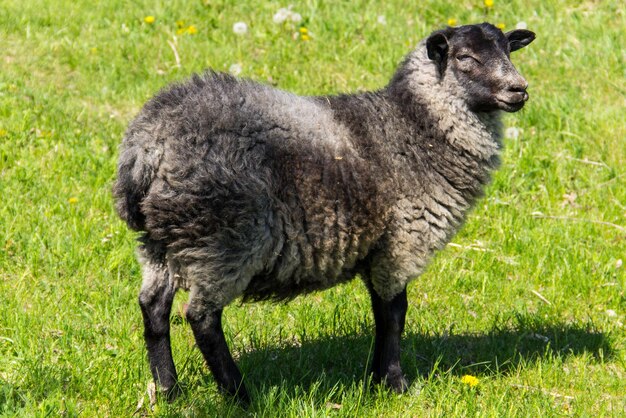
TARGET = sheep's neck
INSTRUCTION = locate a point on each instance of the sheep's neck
(453, 142)
(446, 141)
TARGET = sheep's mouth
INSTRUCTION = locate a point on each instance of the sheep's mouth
(512, 105)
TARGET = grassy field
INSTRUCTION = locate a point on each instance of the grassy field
(529, 298)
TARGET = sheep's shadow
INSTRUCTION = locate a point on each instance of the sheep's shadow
(342, 360)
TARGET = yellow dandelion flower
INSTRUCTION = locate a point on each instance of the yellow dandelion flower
(500, 26)
(304, 30)
(180, 31)
(305, 37)
(149, 19)
(94, 50)
(452, 22)
(192, 30)
(180, 24)
(3, 132)
(73, 200)
(470, 380)
(488, 3)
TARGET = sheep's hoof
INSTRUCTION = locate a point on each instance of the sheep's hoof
(170, 394)
(241, 396)
(396, 381)
(243, 399)
(155, 391)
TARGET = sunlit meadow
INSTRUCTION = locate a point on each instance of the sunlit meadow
(521, 315)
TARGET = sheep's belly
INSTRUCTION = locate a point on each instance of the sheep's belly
(266, 286)
(317, 259)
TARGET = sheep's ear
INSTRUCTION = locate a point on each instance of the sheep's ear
(437, 47)
(519, 38)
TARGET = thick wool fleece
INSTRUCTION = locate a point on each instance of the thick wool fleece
(244, 190)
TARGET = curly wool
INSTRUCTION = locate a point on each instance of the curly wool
(245, 190)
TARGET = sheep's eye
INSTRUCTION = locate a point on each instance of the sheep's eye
(467, 58)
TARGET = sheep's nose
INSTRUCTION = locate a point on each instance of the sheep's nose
(516, 90)
(518, 87)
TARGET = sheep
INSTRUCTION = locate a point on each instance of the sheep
(241, 190)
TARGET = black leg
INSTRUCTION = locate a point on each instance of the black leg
(378, 339)
(389, 317)
(207, 329)
(155, 299)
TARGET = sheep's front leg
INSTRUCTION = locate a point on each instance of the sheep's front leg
(155, 298)
(389, 317)
(207, 329)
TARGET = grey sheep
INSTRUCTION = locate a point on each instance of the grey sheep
(243, 190)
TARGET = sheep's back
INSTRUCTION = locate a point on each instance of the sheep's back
(234, 163)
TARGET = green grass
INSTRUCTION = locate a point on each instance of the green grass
(530, 299)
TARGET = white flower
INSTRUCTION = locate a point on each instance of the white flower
(240, 28)
(611, 313)
(618, 263)
(295, 17)
(521, 25)
(284, 13)
(382, 20)
(512, 133)
(235, 69)
(281, 15)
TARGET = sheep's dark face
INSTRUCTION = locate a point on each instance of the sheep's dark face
(478, 57)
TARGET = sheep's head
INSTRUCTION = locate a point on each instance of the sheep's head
(477, 58)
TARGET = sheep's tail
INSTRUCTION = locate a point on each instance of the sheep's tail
(135, 172)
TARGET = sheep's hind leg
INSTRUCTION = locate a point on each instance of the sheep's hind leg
(207, 329)
(389, 317)
(155, 298)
